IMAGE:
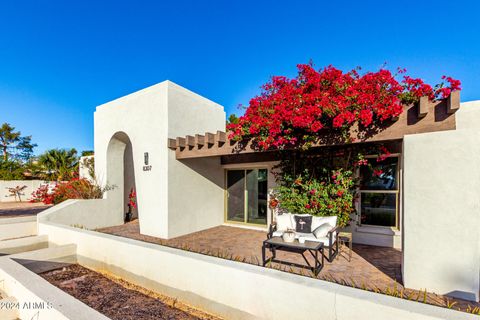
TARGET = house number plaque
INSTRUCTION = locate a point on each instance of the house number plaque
(146, 167)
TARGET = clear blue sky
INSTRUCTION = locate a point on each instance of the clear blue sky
(60, 59)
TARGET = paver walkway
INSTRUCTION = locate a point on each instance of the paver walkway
(19, 209)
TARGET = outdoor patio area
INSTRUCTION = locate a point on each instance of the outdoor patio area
(370, 268)
(369, 265)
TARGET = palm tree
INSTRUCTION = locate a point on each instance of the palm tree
(59, 164)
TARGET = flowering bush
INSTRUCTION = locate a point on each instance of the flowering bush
(43, 194)
(73, 189)
(296, 111)
(132, 198)
(319, 197)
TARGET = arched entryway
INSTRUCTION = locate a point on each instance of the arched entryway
(120, 172)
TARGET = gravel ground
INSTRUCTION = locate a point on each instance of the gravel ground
(118, 299)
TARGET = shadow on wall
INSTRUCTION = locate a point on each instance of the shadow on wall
(208, 168)
(129, 177)
(462, 282)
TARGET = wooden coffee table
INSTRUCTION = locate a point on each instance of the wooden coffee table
(277, 243)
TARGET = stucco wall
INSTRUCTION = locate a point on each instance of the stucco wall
(148, 118)
(441, 225)
(18, 227)
(32, 185)
(90, 214)
(235, 290)
(195, 193)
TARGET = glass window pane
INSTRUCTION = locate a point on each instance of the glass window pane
(379, 209)
(387, 180)
(257, 190)
(235, 195)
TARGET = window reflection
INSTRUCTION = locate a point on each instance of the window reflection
(379, 193)
(386, 180)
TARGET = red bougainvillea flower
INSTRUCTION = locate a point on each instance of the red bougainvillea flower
(290, 112)
(362, 162)
(384, 154)
(377, 172)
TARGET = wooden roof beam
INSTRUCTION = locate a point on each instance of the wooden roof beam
(190, 140)
(172, 143)
(453, 102)
(423, 107)
(221, 138)
(209, 138)
(199, 140)
(181, 142)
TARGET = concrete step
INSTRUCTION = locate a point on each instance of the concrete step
(25, 244)
(12, 228)
(47, 259)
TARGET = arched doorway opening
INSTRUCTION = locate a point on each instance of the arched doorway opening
(120, 173)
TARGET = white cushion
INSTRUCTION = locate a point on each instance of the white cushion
(318, 221)
(284, 222)
(308, 237)
(322, 230)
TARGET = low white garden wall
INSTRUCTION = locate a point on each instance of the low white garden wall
(231, 289)
(32, 185)
(38, 299)
(89, 214)
(17, 227)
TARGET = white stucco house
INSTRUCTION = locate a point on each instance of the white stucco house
(169, 144)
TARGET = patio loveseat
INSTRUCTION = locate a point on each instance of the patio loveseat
(322, 229)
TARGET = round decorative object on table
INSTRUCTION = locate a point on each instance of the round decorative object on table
(301, 239)
(288, 236)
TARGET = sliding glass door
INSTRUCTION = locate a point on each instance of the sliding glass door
(247, 196)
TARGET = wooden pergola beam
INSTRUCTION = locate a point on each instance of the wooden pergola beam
(181, 142)
(221, 137)
(453, 102)
(172, 143)
(199, 140)
(209, 138)
(190, 140)
(423, 107)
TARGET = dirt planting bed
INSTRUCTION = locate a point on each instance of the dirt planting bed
(118, 299)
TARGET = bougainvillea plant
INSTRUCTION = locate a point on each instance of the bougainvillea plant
(322, 182)
(304, 195)
(295, 112)
(74, 189)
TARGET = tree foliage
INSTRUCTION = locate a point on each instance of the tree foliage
(59, 164)
(14, 146)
